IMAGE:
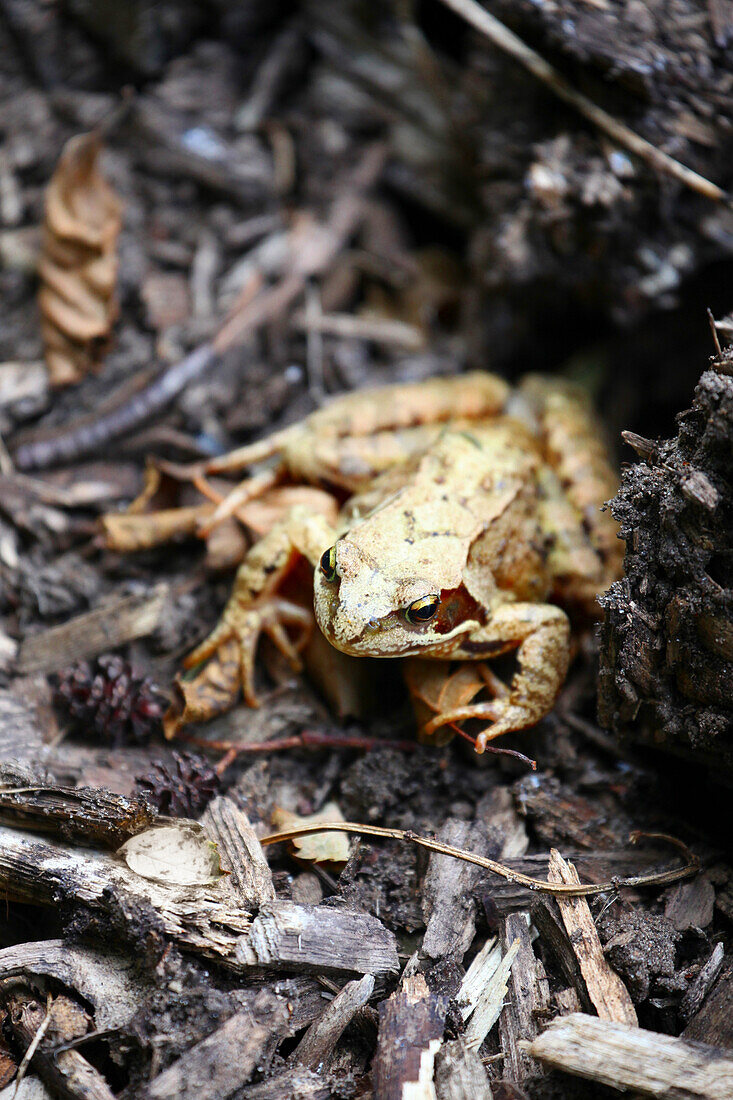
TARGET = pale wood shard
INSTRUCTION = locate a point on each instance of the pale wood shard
(489, 1002)
(240, 852)
(629, 1058)
(479, 973)
(411, 1026)
(224, 1061)
(30, 1088)
(528, 998)
(95, 632)
(317, 1044)
(327, 940)
(460, 1073)
(606, 991)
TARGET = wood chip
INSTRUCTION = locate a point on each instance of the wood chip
(448, 903)
(89, 814)
(690, 904)
(607, 992)
(297, 1083)
(321, 1037)
(225, 1060)
(199, 918)
(629, 1058)
(95, 632)
(492, 977)
(528, 998)
(713, 1022)
(240, 852)
(460, 1073)
(318, 938)
(411, 1026)
(548, 922)
(703, 983)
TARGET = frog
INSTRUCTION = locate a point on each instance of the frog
(467, 523)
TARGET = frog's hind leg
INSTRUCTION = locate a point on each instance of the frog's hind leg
(540, 634)
(380, 413)
(587, 552)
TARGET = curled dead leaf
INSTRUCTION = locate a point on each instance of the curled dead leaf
(436, 687)
(128, 532)
(210, 692)
(78, 266)
(331, 847)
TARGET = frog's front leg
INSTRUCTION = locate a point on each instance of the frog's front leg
(540, 633)
(255, 605)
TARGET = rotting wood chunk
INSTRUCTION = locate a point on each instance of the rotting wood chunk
(667, 658)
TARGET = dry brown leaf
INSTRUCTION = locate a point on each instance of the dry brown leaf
(436, 689)
(78, 266)
(318, 847)
(128, 533)
(212, 691)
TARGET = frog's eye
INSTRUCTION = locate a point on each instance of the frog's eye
(328, 564)
(421, 611)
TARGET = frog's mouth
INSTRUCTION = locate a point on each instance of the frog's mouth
(389, 637)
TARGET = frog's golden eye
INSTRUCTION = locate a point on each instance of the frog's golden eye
(328, 564)
(421, 611)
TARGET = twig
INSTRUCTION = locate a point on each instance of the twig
(714, 331)
(307, 739)
(513, 45)
(380, 330)
(661, 878)
(246, 317)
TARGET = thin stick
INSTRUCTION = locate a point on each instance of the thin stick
(714, 330)
(540, 885)
(510, 43)
(307, 739)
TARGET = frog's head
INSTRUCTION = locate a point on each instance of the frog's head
(367, 610)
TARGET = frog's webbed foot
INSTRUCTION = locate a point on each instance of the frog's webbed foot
(245, 621)
(541, 635)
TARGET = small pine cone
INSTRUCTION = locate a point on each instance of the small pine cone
(108, 698)
(180, 788)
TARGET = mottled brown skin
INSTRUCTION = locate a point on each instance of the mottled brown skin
(473, 508)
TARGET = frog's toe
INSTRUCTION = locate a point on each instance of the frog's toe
(247, 624)
(485, 710)
(507, 719)
(218, 637)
